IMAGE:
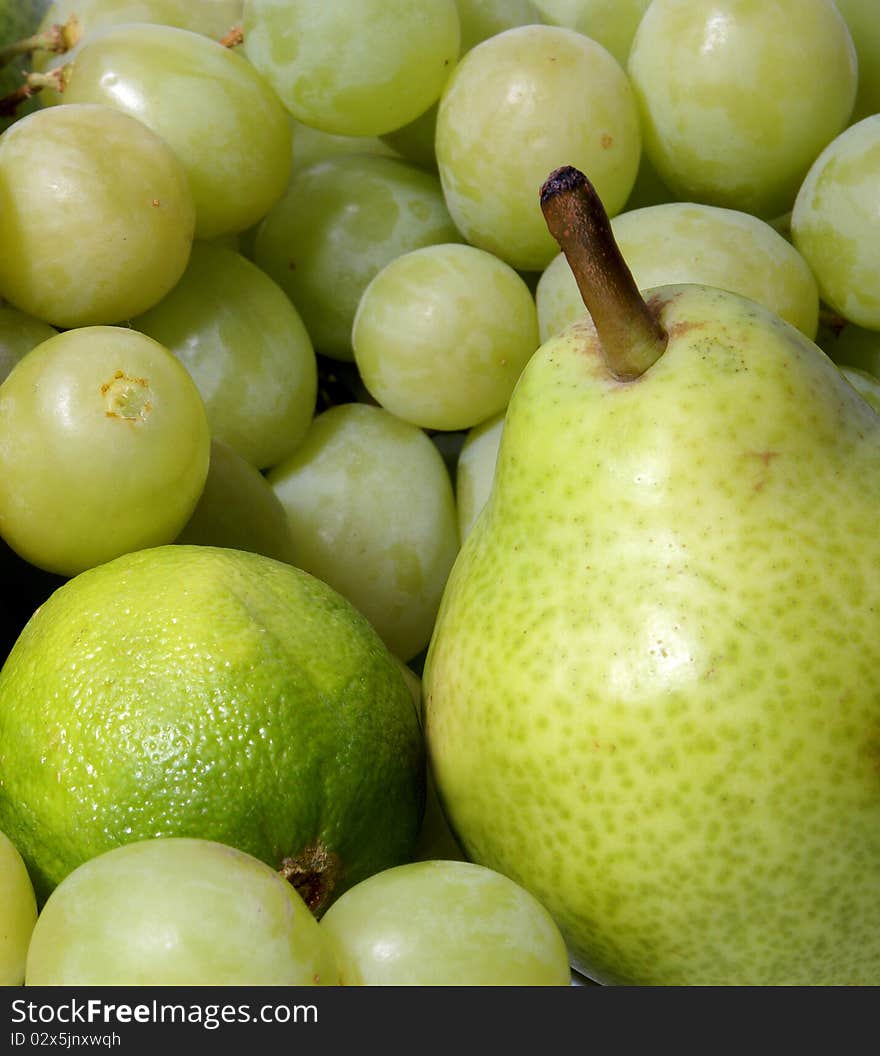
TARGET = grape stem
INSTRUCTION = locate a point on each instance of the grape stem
(33, 83)
(630, 336)
(58, 38)
(233, 38)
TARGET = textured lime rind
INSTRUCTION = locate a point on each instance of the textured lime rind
(198, 691)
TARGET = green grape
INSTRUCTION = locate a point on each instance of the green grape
(835, 222)
(212, 18)
(104, 448)
(238, 509)
(444, 923)
(354, 67)
(219, 116)
(340, 221)
(19, 333)
(479, 20)
(246, 348)
(863, 19)
(704, 244)
(18, 913)
(442, 333)
(97, 219)
(177, 911)
(867, 385)
(518, 106)
(414, 684)
(737, 98)
(612, 22)
(311, 145)
(475, 472)
(371, 509)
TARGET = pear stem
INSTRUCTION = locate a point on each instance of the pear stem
(631, 337)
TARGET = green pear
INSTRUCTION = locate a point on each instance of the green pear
(652, 695)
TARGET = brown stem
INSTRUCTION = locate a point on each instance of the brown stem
(233, 37)
(10, 103)
(58, 38)
(33, 83)
(631, 337)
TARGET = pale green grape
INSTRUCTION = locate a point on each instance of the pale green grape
(238, 509)
(479, 20)
(97, 219)
(353, 67)
(442, 333)
(19, 333)
(340, 221)
(246, 348)
(737, 98)
(612, 22)
(863, 19)
(18, 913)
(104, 448)
(311, 145)
(690, 242)
(371, 509)
(444, 923)
(435, 838)
(475, 471)
(517, 106)
(177, 911)
(219, 116)
(867, 385)
(414, 684)
(212, 18)
(835, 222)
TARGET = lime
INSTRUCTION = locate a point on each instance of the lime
(208, 692)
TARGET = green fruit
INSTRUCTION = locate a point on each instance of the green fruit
(732, 109)
(18, 913)
(444, 923)
(835, 223)
(104, 448)
(865, 384)
(475, 470)
(371, 511)
(652, 695)
(222, 918)
(238, 509)
(211, 693)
